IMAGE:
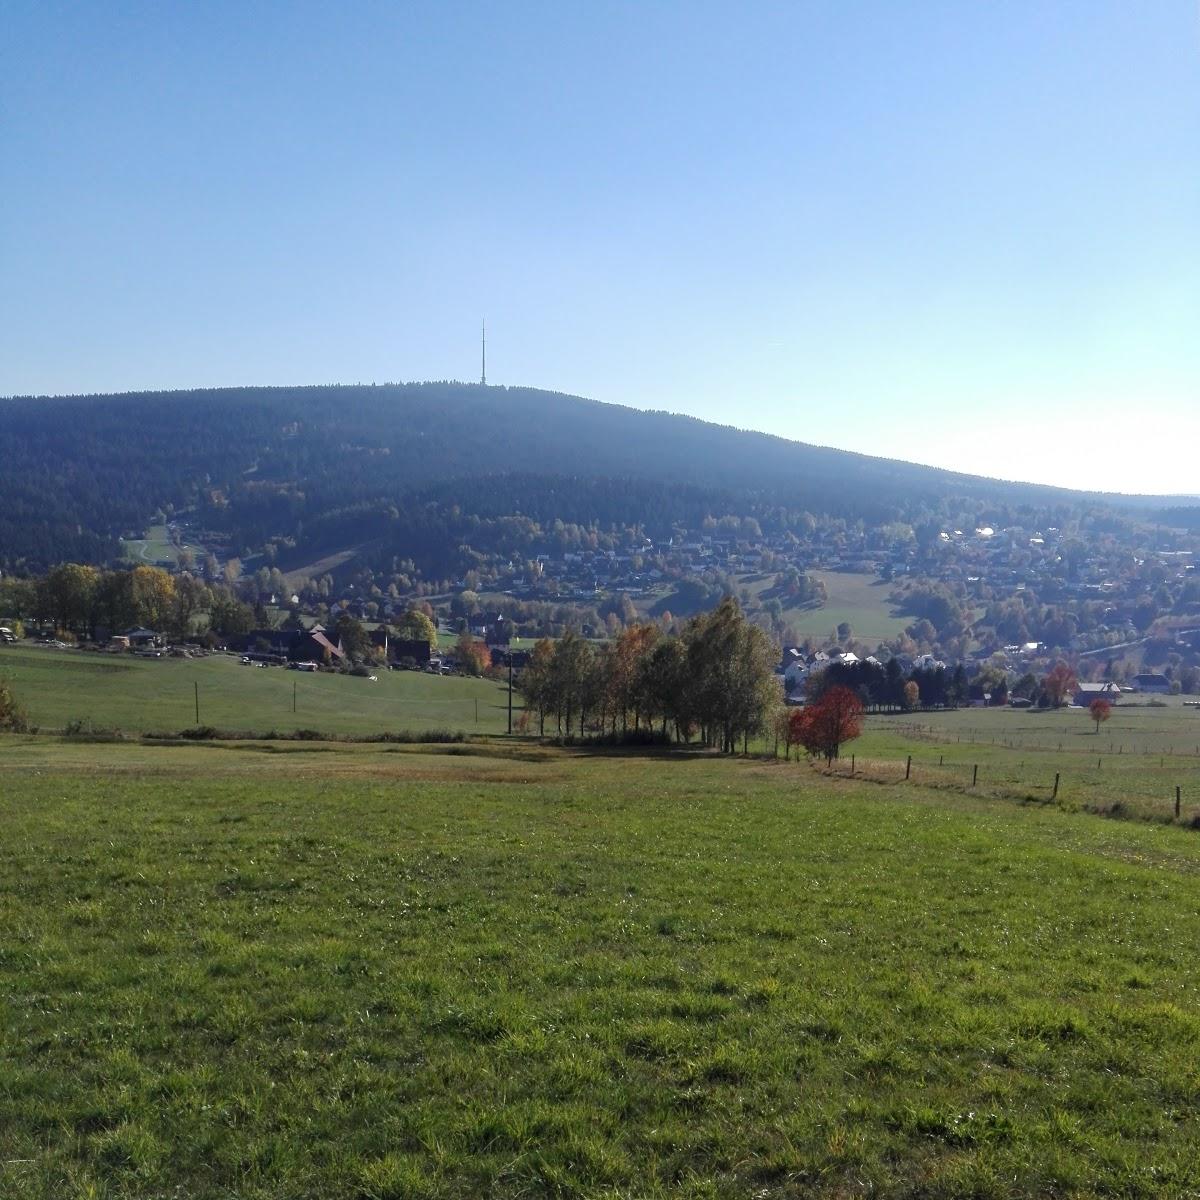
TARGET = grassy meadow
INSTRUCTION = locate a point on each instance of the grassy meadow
(862, 600)
(291, 970)
(136, 695)
(1130, 768)
(157, 546)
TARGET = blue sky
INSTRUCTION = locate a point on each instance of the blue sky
(964, 234)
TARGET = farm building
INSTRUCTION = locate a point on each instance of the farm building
(402, 649)
(1150, 681)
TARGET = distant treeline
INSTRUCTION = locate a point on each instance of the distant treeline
(79, 600)
(1183, 517)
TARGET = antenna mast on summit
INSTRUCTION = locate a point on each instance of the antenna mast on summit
(483, 371)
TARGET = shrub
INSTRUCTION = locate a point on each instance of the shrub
(12, 715)
(209, 733)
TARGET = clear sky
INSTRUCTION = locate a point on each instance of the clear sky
(955, 232)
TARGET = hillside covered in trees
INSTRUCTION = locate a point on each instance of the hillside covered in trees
(419, 470)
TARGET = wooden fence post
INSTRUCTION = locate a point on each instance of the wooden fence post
(1178, 791)
(1055, 795)
(908, 767)
(975, 776)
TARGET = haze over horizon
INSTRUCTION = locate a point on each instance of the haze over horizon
(959, 237)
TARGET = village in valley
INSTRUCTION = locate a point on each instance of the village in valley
(977, 617)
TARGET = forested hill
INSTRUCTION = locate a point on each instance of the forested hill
(309, 463)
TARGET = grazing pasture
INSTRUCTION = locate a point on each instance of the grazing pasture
(1130, 768)
(862, 600)
(122, 691)
(157, 547)
(328, 970)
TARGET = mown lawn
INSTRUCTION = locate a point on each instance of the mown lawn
(329, 971)
(123, 691)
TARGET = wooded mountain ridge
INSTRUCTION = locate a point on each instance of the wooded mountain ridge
(320, 467)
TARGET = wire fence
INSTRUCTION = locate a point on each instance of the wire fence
(1169, 794)
(1096, 743)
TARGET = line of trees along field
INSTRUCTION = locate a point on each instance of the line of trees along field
(715, 682)
(79, 600)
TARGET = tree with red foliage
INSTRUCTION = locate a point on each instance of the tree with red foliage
(474, 657)
(824, 727)
(1059, 683)
(1099, 710)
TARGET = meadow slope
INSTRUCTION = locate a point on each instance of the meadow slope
(106, 691)
(282, 970)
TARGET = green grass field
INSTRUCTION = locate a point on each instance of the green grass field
(860, 599)
(157, 546)
(125, 692)
(289, 970)
(1130, 768)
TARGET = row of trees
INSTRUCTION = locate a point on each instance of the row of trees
(714, 682)
(886, 686)
(80, 599)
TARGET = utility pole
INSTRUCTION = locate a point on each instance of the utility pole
(483, 363)
(510, 687)
(196, 685)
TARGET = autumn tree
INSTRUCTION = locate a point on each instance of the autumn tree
(824, 727)
(1059, 683)
(1100, 710)
(717, 678)
(191, 598)
(473, 656)
(730, 665)
(416, 626)
(627, 685)
(151, 596)
(70, 593)
(665, 684)
(534, 681)
(18, 597)
(912, 694)
(571, 680)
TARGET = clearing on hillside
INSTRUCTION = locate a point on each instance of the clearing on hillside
(861, 600)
